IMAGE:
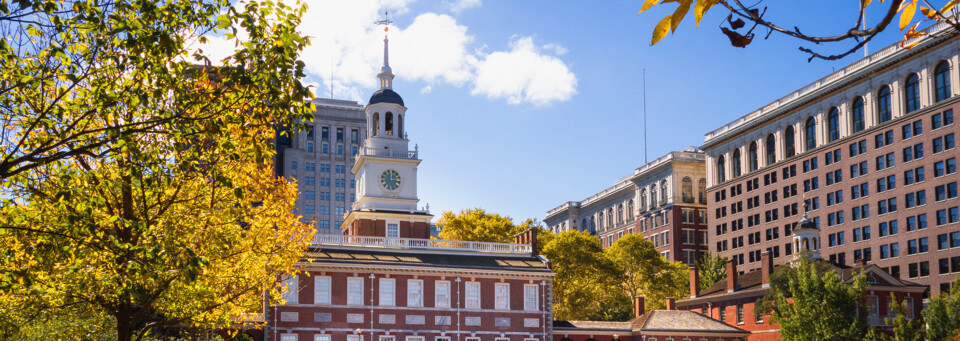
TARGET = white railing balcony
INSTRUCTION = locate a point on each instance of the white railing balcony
(399, 154)
(420, 244)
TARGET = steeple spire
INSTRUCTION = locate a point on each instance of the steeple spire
(386, 73)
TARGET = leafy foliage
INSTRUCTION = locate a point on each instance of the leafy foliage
(809, 302)
(942, 316)
(646, 273)
(711, 268)
(137, 185)
(587, 283)
(477, 225)
(741, 36)
(903, 329)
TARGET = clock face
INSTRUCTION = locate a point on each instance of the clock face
(390, 179)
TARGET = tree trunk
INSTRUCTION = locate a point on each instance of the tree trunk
(124, 323)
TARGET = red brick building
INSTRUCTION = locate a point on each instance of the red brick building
(732, 300)
(869, 148)
(670, 324)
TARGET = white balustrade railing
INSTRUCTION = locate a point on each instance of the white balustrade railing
(401, 154)
(420, 244)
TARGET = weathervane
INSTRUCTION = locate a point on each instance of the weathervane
(385, 21)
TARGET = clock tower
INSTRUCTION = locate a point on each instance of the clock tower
(386, 170)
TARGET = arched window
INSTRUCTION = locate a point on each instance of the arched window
(883, 104)
(663, 192)
(790, 141)
(376, 124)
(400, 126)
(721, 174)
(687, 189)
(654, 197)
(389, 124)
(600, 219)
(810, 132)
(702, 190)
(911, 93)
(856, 115)
(771, 149)
(583, 224)
(620, 213)
(610, 217)
(736, 163)
(941, 80)
(630, 209)
(833, 124)
(752, 153)
(593, 225)
(643, 200)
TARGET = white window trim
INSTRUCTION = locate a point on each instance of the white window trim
(535, 299)
(292, 335)
(354, 337)
(387, 301)
(387, 338)
(501, 302)
(415, 338)
(291, 294)
(359, 294)
(436, 293)
(322, 337)
(441, 338)
(386, 228)
(410, 293)
(319, 296)
(467, 300)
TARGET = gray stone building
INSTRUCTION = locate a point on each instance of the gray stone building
(320, 160)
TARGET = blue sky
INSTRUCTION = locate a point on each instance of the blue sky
(519, 106)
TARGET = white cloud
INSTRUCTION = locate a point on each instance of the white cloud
(524, 75)
(460, 5)
(346, 51)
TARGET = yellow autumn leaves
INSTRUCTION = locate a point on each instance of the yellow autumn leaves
(671, 22)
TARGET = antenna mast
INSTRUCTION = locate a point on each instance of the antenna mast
(644, 115)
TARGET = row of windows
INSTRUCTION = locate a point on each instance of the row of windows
(325, 134)
(833, 131)
(357, 337)
(325, 149)
(323, 293)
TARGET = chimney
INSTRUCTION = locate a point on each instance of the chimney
(694, 282)
(671, 303)
(529, 236)
(766, 268)
(731, 276)
(638, 306)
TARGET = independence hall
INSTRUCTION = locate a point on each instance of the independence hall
(870, 148)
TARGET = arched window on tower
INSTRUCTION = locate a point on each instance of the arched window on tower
(856, 115)
(400, 125)
(771, 149)
(883, 104)
(790, 141)
(810, 134)
(752, 153)
(911, 93)
(702, 190)
(941, 79)
(687, 189)
(721, 172)
(376, 124)
(833, 124)
(736, 163)
(388, 124)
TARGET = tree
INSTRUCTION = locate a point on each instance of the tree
(711, 268)
(646, 272)
(809, 302)
(741, 35)
(586, 284)
(942, 316)
(137, 186)
(477, 225)
(903, 329)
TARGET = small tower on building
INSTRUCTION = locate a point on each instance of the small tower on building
(806, 237)
(386, 169)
